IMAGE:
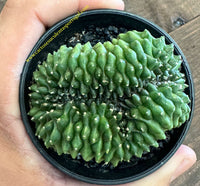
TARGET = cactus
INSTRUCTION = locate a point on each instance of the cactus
(111, 101)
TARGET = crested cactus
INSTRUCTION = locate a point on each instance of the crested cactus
(111, 101)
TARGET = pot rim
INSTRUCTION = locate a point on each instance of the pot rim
(50, 159)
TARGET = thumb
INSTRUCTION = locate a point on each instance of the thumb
(182, 160)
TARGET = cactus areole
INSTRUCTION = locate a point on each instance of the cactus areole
(111, 101)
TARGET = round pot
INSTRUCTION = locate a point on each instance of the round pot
(90, 172)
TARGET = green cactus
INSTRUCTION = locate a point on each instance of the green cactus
(111, 101)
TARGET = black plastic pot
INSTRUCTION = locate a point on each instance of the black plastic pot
(88, 172)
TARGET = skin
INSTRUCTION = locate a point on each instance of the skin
(22, 22)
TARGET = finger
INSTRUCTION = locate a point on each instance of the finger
(183, 159)
(71, 6)
(22, 22)
(189, 158)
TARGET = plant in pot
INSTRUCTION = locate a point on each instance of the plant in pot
(111, 101)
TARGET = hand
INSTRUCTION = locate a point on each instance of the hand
(21, 24)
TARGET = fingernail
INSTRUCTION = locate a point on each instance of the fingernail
(121, 5)
(185, 165)
(122, 1)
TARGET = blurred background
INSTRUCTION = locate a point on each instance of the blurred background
(181, 19)
(2, 2)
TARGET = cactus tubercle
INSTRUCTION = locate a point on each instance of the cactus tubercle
(111, 101)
